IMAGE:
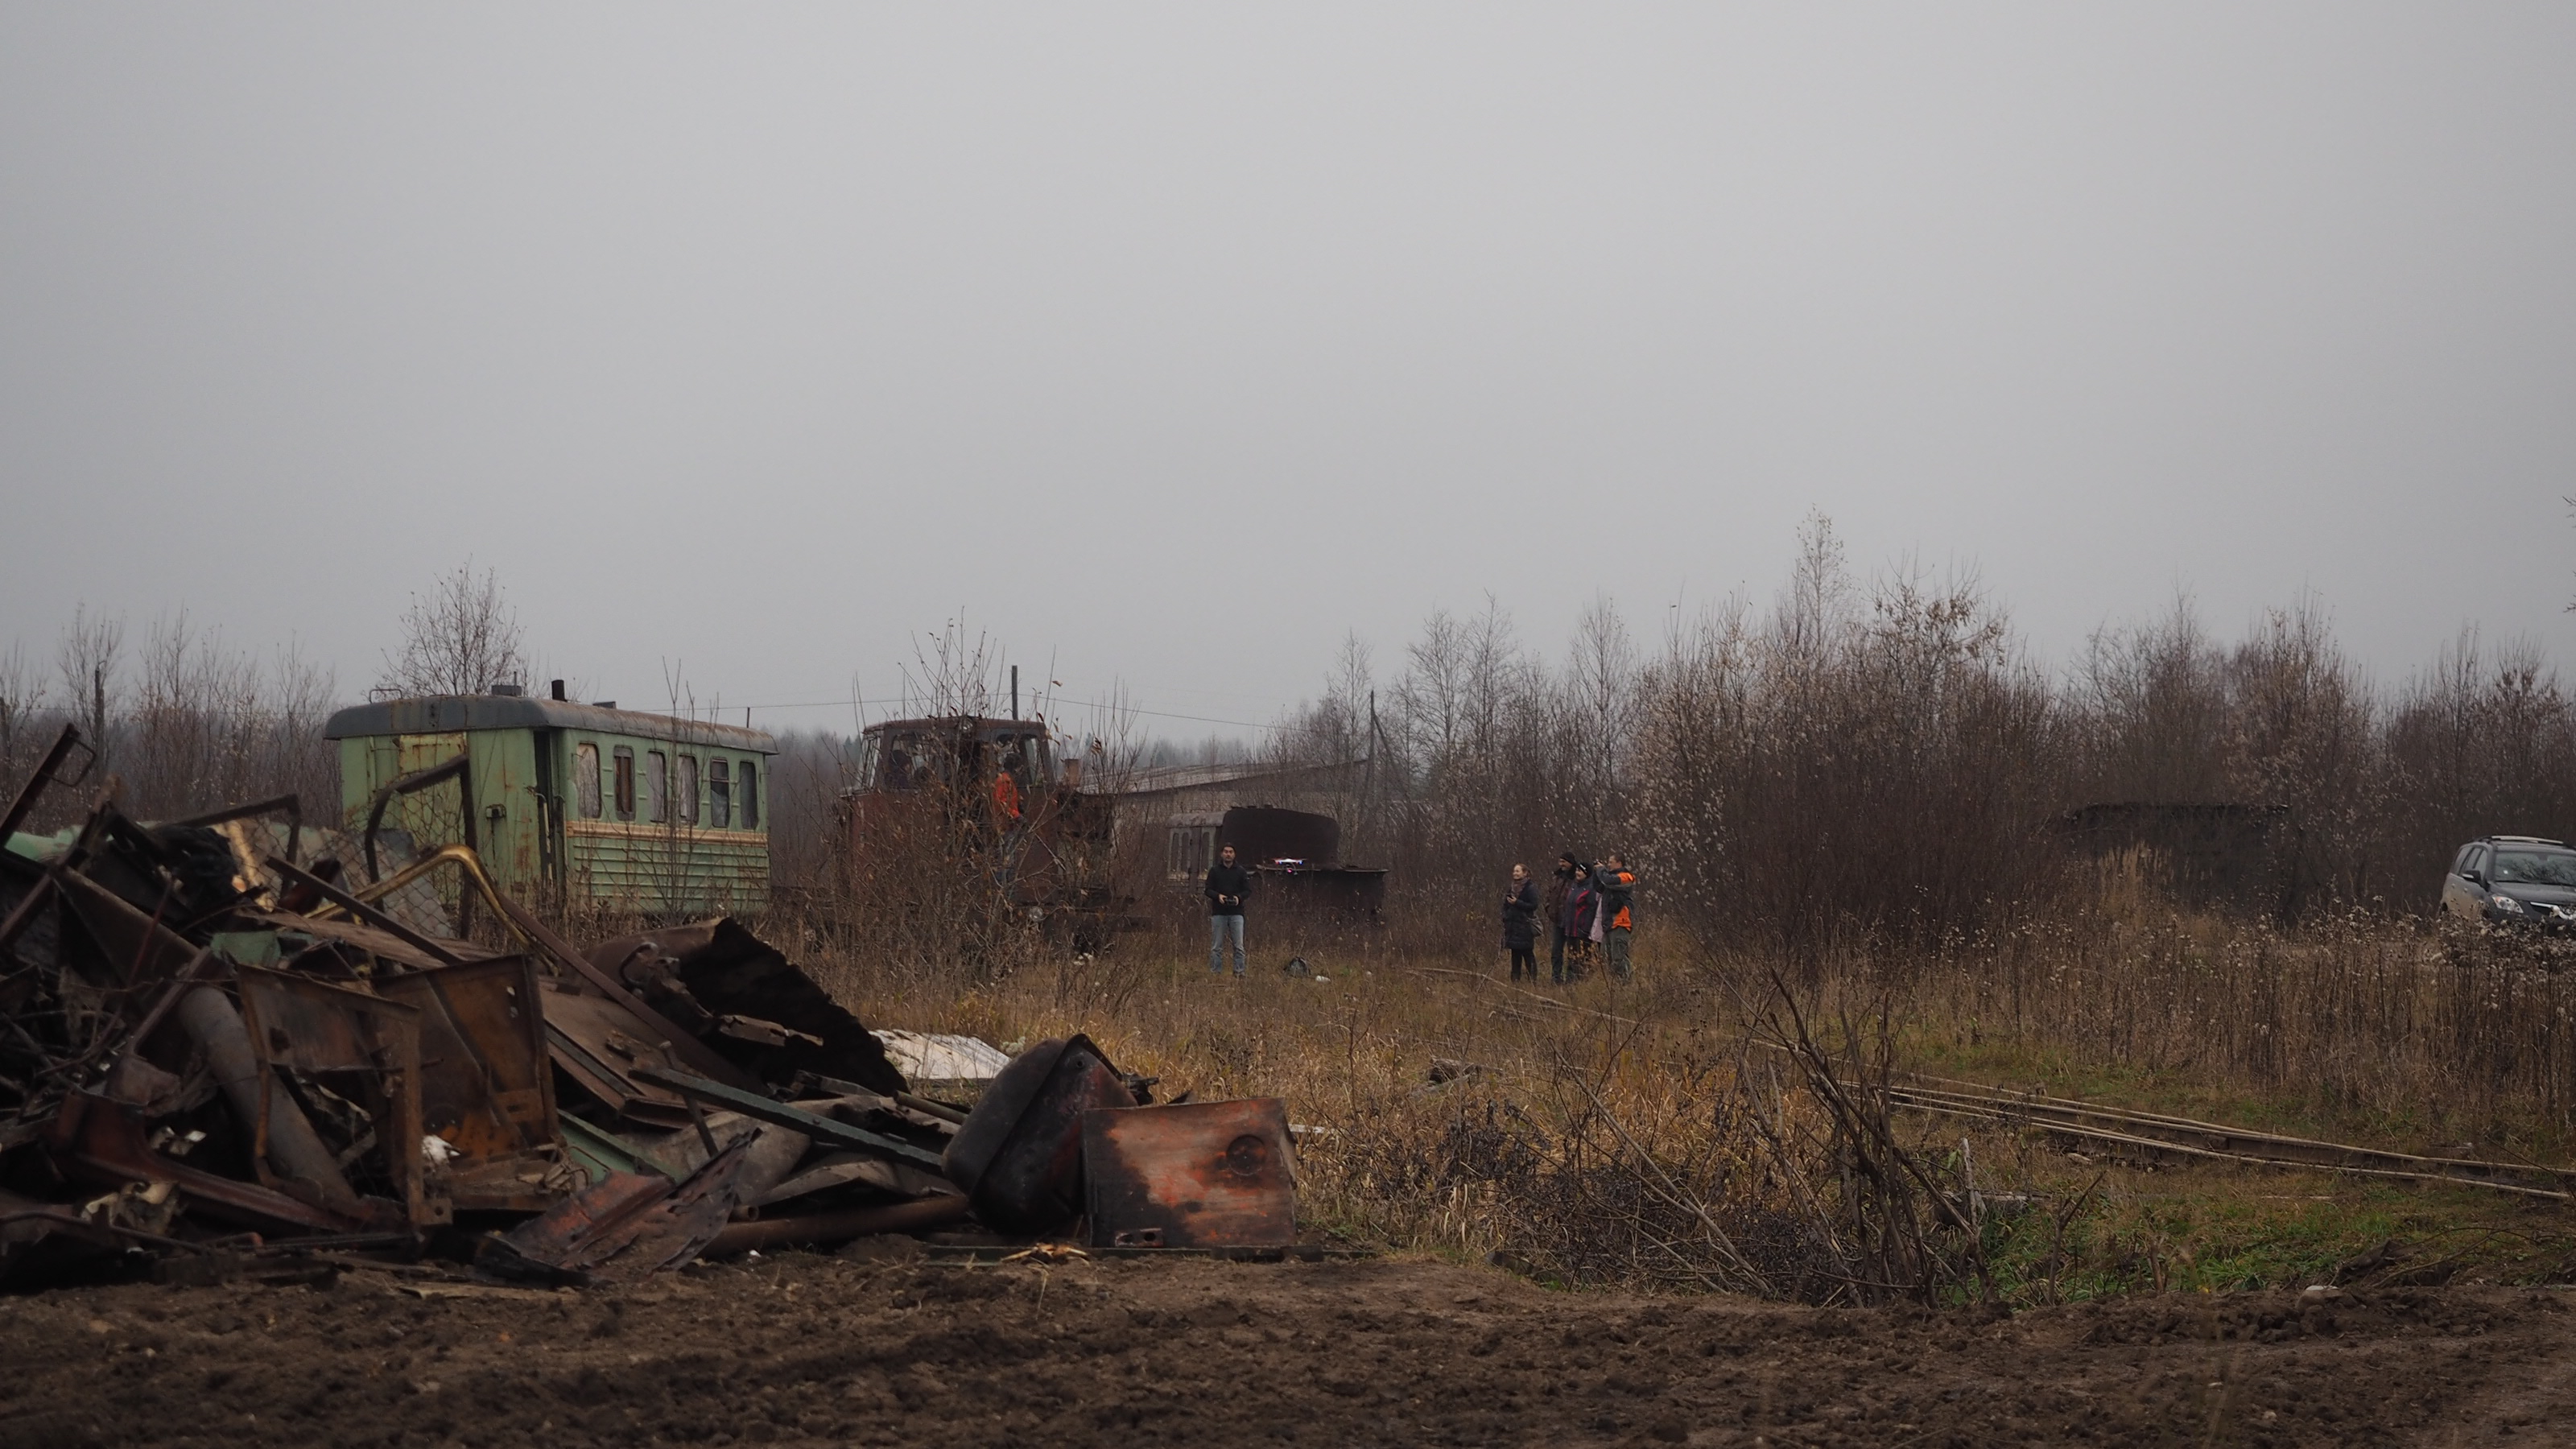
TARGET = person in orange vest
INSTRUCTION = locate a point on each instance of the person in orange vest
(1618, 887)
(1006, 791)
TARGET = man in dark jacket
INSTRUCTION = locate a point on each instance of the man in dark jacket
(1618, 886)
(1520, 923)
(1560, 884)
(1227, 885)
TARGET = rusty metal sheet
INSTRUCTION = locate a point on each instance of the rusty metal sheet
(314, 1027)
(1200, 1175)
(719, 968)
(630, 1225)
(485, 1087)
(600, 1044)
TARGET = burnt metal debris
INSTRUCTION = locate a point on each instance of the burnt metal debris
(1019, 1155)
(242, 1046)
(1201, 1175)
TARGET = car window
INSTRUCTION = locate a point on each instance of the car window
(2536, 867)
(2460, 862)
(2477, 862)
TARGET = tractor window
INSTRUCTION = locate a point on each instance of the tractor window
(688, 790)
(907, 762)
(622, 761)
(657, 787)
(748, 790)
(585, 781)
(720, 793)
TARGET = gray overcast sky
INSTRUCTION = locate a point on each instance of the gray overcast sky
(1174, 342)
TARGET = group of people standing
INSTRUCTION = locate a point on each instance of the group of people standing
(1590, 909)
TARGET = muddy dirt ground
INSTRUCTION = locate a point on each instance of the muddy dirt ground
(807, 1349)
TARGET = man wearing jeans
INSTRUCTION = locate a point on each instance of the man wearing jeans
(1227, 885)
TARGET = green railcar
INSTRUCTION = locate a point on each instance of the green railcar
(569, 803)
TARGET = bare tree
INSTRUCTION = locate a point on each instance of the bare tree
(87, 659)
(22, 694)
(462, 638)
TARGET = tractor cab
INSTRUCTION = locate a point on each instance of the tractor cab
(966, 756)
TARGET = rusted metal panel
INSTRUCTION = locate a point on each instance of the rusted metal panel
(485, 1087)
(601, 1044)
(1019, 1156)
(102, 1142)
(629, 1224)
(814, 1126)
(1200, 1175)
(313, 1027)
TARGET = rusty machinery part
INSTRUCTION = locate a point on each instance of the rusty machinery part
(1019, 1156)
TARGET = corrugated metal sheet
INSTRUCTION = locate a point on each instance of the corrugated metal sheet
(670, 867)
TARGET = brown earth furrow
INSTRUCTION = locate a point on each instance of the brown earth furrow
(813, 1350)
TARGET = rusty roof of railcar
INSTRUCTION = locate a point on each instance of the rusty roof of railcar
(959, 724)
(441, 714)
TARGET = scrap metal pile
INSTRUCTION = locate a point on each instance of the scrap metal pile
(221, 1055)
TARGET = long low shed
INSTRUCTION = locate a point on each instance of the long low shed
(636, 811)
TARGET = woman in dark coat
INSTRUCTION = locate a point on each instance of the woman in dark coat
(1520, 923)
(1574, 915)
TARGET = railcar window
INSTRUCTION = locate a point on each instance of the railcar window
(748, 788)
(688, 790)
(623, 759)
(585, 781)
(657, 787)
(720, 793)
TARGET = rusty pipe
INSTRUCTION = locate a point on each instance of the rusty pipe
(819, 1228)
(216, 1026)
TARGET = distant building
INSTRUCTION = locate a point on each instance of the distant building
(1186, 804)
